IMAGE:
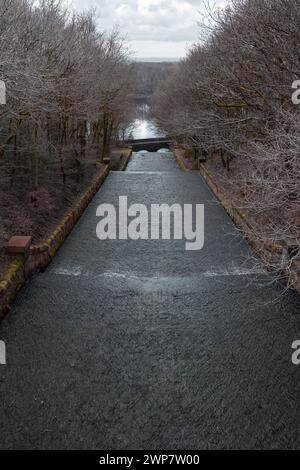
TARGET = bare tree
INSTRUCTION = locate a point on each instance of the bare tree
(68, 88)
(232, 97)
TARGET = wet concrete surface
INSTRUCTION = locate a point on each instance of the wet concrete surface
(143, 345)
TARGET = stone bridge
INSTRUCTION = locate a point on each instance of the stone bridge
(151, 145)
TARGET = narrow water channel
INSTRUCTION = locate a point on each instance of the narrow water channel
(143, 127)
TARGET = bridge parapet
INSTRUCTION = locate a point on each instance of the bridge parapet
(151, 145)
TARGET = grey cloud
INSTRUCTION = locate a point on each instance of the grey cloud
(150, 20)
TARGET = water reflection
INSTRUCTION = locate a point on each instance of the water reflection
(143, 127)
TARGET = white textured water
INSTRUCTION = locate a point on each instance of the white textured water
(75, 271)
(145, 129)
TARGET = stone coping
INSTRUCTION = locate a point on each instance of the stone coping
(40, 255)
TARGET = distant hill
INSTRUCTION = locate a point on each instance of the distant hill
(157, 59)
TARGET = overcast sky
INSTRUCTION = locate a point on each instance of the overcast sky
(154, 28)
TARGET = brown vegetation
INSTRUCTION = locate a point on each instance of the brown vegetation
(232, 97)
(68, 98)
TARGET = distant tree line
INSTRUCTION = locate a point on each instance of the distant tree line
(68, 88)
(150, 76)
(231, 96)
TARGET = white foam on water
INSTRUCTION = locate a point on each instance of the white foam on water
(235, 272)
(76, 271)
(68, 271)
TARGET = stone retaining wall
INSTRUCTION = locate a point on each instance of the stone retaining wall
(128, 155)
(270, 253)
(119, 158)
(179, 155)
(42, 254)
